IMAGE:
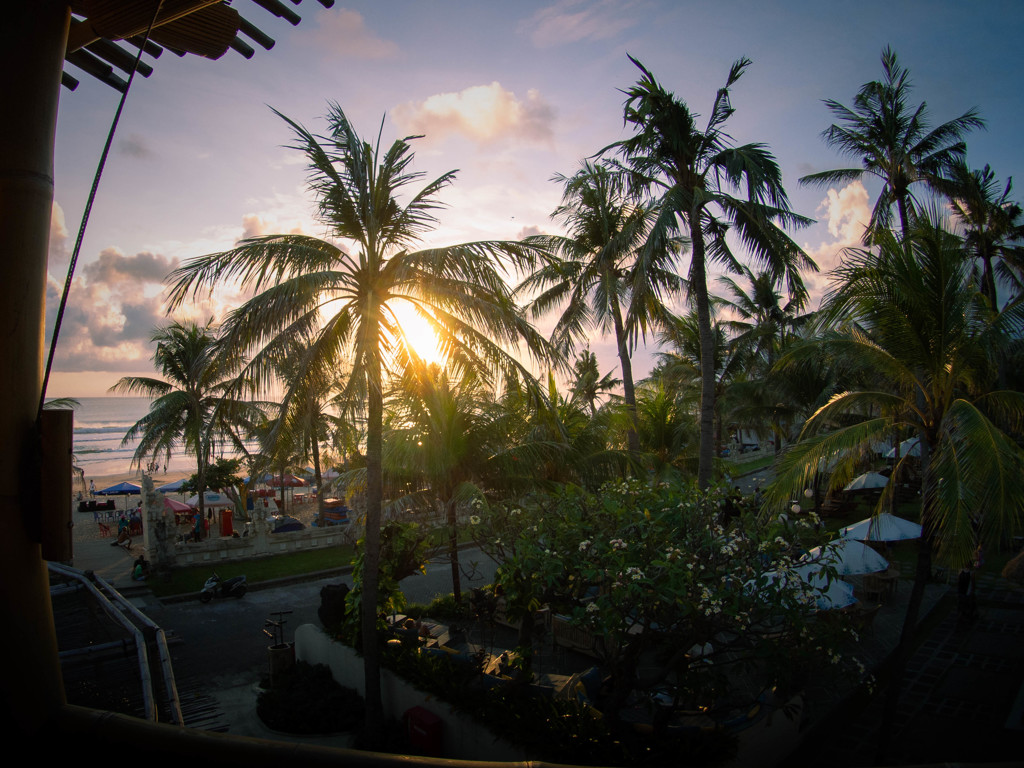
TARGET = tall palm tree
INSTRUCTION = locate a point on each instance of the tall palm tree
(598, 273)
(914, 316)
(345, 301)
(893, 142)
(992, 225)
(189, 406)
(708, 188)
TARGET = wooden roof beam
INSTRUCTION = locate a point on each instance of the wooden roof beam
(118, 57)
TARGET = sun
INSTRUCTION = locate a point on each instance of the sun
(419, 335)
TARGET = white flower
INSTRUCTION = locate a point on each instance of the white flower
(592, 608)
(474, 519)
(584, 546)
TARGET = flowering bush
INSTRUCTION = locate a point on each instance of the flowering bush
(669, 584)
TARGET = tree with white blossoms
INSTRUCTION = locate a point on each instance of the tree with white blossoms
(679, 595)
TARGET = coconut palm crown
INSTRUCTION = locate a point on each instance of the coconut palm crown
(893, 142)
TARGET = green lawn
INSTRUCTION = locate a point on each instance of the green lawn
(189, 580)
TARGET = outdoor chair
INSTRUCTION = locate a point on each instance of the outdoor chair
(104, 530)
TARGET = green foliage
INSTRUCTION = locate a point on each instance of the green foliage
(307, 700)
(403, 552)
(549, 729)
(222, 473)
(658, 569)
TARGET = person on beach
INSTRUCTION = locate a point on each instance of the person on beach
(124, 534)
(92, 489)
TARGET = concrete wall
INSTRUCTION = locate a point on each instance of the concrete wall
(463, 738)
(261, 543)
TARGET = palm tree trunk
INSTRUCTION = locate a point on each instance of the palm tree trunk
(922, 575)
(318, 478)
(699, 289)
(453, 548)
(628, 390)
(371, 561)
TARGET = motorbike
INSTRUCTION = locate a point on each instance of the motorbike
(215, 586)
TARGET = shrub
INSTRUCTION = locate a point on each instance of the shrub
(307, 700)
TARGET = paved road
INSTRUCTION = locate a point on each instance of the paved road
(223, 641)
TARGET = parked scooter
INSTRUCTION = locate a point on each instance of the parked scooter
(215, 586)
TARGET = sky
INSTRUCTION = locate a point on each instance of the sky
(509, 95)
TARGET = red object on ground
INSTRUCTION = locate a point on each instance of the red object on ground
(425, 731)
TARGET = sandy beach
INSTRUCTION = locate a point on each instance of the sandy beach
(86, 529)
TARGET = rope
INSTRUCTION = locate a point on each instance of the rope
(88, 210)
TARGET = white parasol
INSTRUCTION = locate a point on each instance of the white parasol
(867, 481)
(847, 557)
(883, 527)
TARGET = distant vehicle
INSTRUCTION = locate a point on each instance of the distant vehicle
(749, 447)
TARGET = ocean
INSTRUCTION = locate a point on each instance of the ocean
(100, 424)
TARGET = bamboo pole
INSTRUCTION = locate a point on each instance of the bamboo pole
(32, 44)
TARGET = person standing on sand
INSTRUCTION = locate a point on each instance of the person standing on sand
(92, 489)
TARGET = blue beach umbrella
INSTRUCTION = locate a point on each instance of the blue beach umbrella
(174, 487)
(125, 489)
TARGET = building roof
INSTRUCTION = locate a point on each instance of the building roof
(106, 35)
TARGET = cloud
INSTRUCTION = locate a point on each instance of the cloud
(570, 21)
(100, 331)
(529, 231)
(58, 248)
(114, 268)
(847, 212)
(344, 33)
(134, 145)
(484, 113)
(254, 225)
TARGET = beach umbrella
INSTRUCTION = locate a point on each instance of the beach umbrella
(170, 505)
(909, 447)
(210, 500)
(847, 557)
(867, 481)
(125, 489)
(883, 527)
(827, 594)
(286, 481)
(174, 487)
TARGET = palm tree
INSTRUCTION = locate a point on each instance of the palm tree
(991, 224)
(589, 384)
(894, 143)
(189, 406)
(310, 414)
(697, 175)
(345, 301)
(598, 273)
(763, 321)
(443, 433)
(914, 317)
(680, 364)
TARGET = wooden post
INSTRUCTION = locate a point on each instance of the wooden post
(32, 40)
